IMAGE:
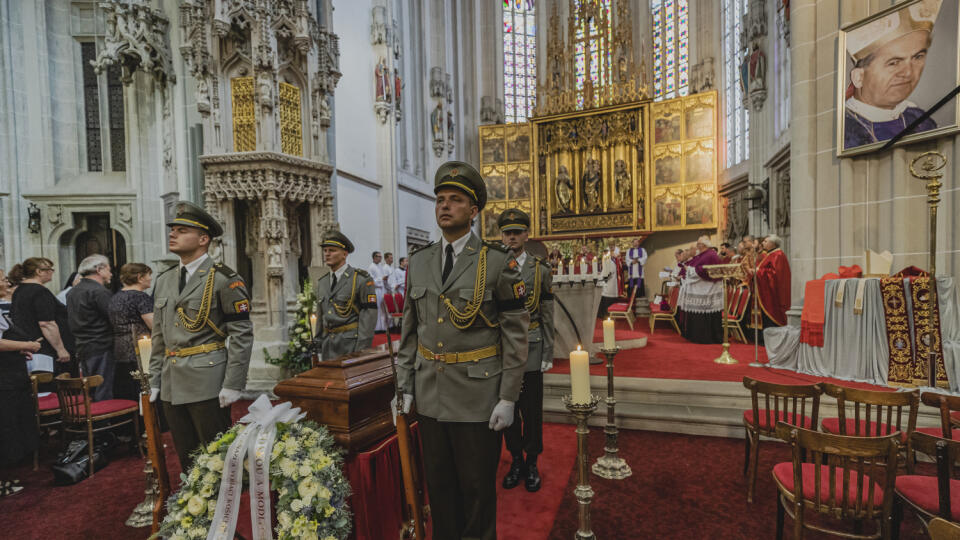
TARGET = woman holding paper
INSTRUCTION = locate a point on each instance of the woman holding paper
(131, 314)
(18, 427)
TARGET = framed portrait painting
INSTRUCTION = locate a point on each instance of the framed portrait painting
(893, 67)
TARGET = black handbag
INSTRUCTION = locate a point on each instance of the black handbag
(73, 465)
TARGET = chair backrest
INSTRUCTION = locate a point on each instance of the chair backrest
(835, 459)
(942, 529)
(37, 378)
(633, 296)
(782, 400)
(946, 404)
(874, 409)
(398, 298)
(946, 452)
(674, 296)
(733, 298)
(388, 300)
(744, 302)
(74, 396)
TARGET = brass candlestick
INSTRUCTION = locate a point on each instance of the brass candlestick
(931, 165)
(142, 515)
(722, 272)
(583, 491)
(610, 465)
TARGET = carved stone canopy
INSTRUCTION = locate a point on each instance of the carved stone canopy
(136, 39)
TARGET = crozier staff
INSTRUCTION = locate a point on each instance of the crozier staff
(463, 349)
(194, 370)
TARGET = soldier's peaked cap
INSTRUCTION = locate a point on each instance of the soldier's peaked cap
(338, 240)
(513, 219)
(462, 176)
(191, 215)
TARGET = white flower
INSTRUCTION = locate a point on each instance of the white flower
(288, 467)
(198, 532)
(196, 505)
(296, 505)
(285, 519)
(323, 493)
(304, 470)
(308, 488)
(206, 491)
(215, 463)
(211, 508)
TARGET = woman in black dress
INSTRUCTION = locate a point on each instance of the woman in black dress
(37, 313)
(18, 424)
(131, 314)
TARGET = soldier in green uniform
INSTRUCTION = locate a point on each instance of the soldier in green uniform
(346, 301)
(194, 369)
(463, 350)
(525, 436)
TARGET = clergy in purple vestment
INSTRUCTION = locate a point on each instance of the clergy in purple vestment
(701, 297)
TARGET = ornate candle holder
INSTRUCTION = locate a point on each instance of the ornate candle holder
(583, 491)
(724, 272)
(610, 465)
(142, 515)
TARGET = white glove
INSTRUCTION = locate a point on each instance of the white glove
(502, 415)
(228, 396)
(407, 404)
(546, 365)
(154, 394)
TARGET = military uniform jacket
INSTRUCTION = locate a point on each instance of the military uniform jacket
(463, 391)
(179, 323)
(538, 280)
(348, 313)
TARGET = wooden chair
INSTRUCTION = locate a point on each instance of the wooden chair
(930, 496)
(849, 478)
(79, 413)
(737, 311)
(941, 529)
(624, 310)
(949, 407)
(875, 413)
(657, 314)
(47, 410)
(781, 403)
(394, 305)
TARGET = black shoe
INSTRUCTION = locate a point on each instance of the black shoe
(512, 479)
(533, 477)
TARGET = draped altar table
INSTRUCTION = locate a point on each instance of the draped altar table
(855, 346)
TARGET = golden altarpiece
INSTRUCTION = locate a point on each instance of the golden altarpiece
(600, 160)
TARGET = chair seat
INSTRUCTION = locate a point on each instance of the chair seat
(48, 403)
(937, 432)
(832, 425)
(619, 306)
(955, 415)
(108, 406)
(780, 416)
(922, 492)
(655, 308)
(783, 472)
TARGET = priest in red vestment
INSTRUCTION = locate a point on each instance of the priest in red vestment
(773, 283)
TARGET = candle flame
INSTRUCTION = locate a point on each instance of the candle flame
(578, 347)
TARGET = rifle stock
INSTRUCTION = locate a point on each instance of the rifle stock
(158, 457)
(409, 468)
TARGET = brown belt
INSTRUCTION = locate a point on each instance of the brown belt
(342, 328)
(458, 357)
(199, 349)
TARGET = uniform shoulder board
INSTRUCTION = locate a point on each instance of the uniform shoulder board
(543, 262)
(417, 249)
(497, 246)
(226, 270)
(362, 272)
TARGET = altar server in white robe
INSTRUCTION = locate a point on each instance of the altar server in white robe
(376, 273)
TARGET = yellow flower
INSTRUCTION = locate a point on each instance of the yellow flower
(213, 447)
(196, 505)
(323, 493)
(186, 522)
(328, 511)
(206, 491)
(308, 488)
(291, 447)
(285, 519)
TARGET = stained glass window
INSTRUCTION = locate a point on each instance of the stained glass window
(519, 59)
(736, 115)
(671, 48)
(118, 138)
(591, 43)
(91, 106)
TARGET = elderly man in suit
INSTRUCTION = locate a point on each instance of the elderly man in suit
(462, 355)
(346, 301)
(194, 370)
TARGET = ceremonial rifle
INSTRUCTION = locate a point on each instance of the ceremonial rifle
(155, 451)
(408, 461)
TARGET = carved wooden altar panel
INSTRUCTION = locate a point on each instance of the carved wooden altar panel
(507, 168)
(684, 162)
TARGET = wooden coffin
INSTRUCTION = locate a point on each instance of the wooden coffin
(349, 395)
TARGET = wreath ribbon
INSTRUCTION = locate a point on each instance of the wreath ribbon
(257, 440)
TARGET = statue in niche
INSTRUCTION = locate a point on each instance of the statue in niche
(398, 84)
(266, 91)
(757, 69)
(591, 185)
(203, 96)
(436, 122)
(622, 184)
(382, 75)
(275, 255)
(450, 126)
(564, 190)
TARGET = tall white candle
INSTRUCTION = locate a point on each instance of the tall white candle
(570, 271)
(609, 336)
(145, 346)
(580, 376)
(313, 324)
